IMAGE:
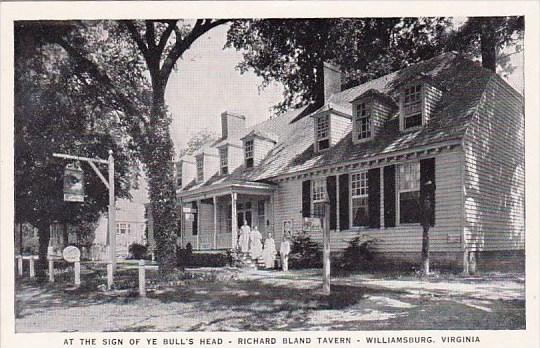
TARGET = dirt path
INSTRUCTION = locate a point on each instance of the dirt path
(261, 300)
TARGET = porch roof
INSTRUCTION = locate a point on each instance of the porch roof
(225, 187)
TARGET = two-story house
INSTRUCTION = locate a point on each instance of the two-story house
(371, 150)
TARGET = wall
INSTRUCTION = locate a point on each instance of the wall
(494, 171)
(339, 127)
(445, 236)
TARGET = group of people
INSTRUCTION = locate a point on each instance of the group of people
(250, 241)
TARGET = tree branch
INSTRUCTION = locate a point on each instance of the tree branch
(132, 29)
(150, 35)
(166, 34)
(183, 44)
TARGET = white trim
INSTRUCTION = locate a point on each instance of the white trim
(328, 132)
(351, 197)
(402, 107)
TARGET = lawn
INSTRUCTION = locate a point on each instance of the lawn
(271, 300)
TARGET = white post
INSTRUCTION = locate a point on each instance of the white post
(112, 213)
(32, 269)
(198, 223)
(215, 221)
(109, 276)
(51, 270)
(142, 279)
(77, 269)
(326, 249)
(234, 221)
(20, 265)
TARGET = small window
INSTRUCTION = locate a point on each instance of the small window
(363, 121)
(412, 106)
(224, 160)
(248, 150)
(322, 132)
(179, 175)
(200, 169)
(359, 199)
(409, 192)
(318, 190)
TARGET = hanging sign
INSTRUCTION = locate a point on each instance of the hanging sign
(73, 183)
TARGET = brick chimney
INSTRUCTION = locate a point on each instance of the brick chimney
(332, 80)
(233, 125)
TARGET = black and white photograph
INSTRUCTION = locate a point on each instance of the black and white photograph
(262, 180)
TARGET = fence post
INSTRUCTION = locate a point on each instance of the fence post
(109, 276)
(51, 270)
(142, 279)
(77, 269)
(32, 268)
(20, 265)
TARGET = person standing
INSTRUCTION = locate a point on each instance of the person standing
(284, 251)
(243, 241)
(256, 245)
(269, 252)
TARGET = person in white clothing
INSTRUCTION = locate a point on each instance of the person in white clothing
(269, 252)
(284, 251)
(256, 245)
(243, 240)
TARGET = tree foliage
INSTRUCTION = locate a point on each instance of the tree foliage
(487, 37)
(56, 110)
(197, 141)
(292, 51)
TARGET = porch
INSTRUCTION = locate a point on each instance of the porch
(211, 218)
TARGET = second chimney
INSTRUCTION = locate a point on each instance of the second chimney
(332, 80)
(233, 125)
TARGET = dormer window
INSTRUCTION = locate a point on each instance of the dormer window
(412, 106)
(363, 121)
(223, 161)
(178, 176)
(248, 151)
(200, 168)
(322, 132)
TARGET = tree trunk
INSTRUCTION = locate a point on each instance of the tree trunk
(162, 193)
(44, 234)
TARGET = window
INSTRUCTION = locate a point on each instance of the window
(123, 228)
(200, 169)
(318, 194)
(412, 106)
(363, 121)
(228, 219)
(359, 199)
(223, 160)
(322, 132)
(248, 149)
(409, 192)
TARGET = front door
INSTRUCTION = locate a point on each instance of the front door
(241, 215)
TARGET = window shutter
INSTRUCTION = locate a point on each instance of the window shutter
(374, 197)
(194, 223)
(306, 198)
(331, 191)
(390, 196)
(344, 202)
(427, 192)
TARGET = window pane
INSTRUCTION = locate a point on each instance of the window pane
(409, 211)
(324, 144)
(363, 121)
(318, 190)
(413, 121)
(360, 211)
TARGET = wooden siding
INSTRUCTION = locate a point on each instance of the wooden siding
(494, 171)
(211, 166)
(431, 97)
(235, 157)
(339, 127)
(260, 149)
(446, 236)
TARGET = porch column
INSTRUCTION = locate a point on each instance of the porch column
(215, 222)
(198, 222)
(234, 220)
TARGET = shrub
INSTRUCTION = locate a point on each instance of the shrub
(305, 253)
(186, 258)
(358, 254)
(137, 251)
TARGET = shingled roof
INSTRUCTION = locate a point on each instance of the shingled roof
(463, 82)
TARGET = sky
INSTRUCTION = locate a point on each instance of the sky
(207, 83)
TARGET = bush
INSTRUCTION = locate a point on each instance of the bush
(186, 258)
(358, 254)
(305, 253)
(137, 251)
